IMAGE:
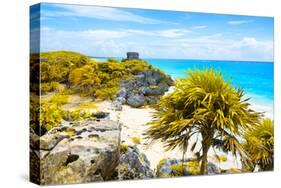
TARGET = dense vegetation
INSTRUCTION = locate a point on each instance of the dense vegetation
(259, 144)
(64, 73)
(85, 76)
(204, 105)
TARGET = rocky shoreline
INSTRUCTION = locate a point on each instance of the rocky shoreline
(146, 88)
(101, 148)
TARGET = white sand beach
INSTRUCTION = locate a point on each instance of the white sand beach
(134, 123)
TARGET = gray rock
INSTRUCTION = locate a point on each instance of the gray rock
(134, 165)
(121, 99)
(122, 93)
(157, 90)
(213, 169)
(89, 153)
(164, 168)
(50, 140)
(151, 81)
(143, 90)
(136, 100)
(101, 115)
(117, 105)
(152, 100)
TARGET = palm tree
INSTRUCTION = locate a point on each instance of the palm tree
(203, 104)
(259, 142)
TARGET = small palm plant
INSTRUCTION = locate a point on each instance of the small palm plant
(259, 142)
(205, 105)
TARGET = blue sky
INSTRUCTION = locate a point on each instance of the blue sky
(111, 32)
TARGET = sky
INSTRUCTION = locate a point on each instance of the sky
(111, 32)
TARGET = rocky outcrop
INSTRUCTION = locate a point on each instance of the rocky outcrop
(77, 152)
(134, 165)
(176, 167)
(136, 100)
(146, 88)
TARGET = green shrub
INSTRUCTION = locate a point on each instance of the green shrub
(106, 93)
(123, 148)
(55, 66)
(136, 140)
(34, 112)
(77, 115)
(205, 104)
(136, 66)
(259, 143)
(50, 115)
(84, 79)
(49, 86)
(86, 106)
(59, 99)
(85, 76)
(178, 169)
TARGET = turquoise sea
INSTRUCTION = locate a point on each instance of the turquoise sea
(255, 78)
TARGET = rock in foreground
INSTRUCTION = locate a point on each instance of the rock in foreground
(134, 165)
(78, 152)
(176, 167)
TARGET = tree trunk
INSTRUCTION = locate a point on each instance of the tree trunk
(207, 139)
(183, 153)
(204, 161)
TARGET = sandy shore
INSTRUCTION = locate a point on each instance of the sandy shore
(134, 123)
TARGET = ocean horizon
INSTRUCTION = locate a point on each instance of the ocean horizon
(255, 78)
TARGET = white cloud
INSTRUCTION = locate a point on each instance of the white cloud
(173, 33)
(238, 22)
(104, 13)
(200, 27)
(173, 43)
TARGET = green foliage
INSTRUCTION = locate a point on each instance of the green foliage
(77, 115)
(84, 80)
(34, 112)
(193, 168)
(112, 60)
(259, 143)
(153, 87)
(161, 163)
(84, 106)
(123, 148)
(178, 169)
(59, 99)
(70, 132)
(203, 103)
(55, 66)
(85, 76)
(49, 86)
(50, 115)
(136, 140)
(66, 73)
(106, 93)
(136, 66)
(221, 158)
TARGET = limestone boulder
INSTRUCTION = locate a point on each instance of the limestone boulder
(79, 152)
